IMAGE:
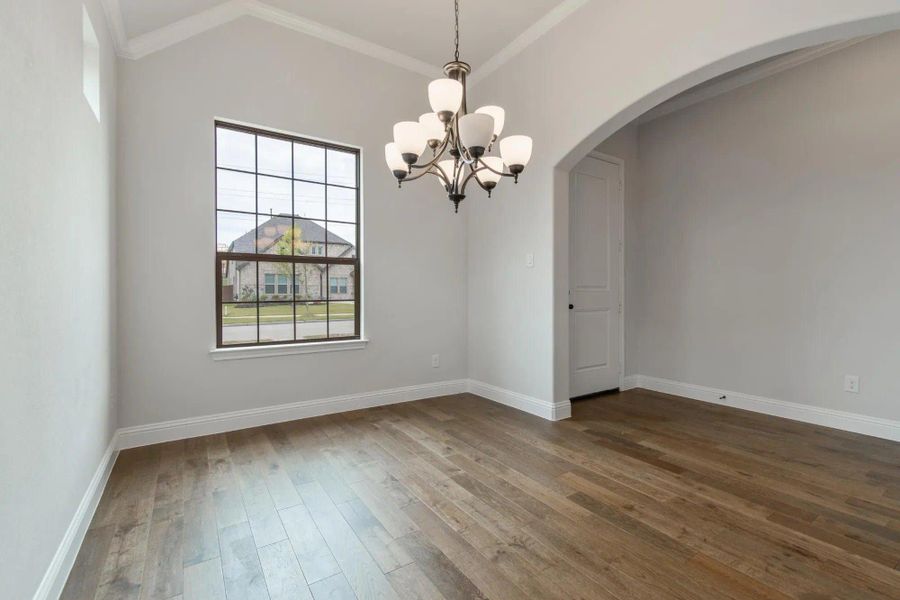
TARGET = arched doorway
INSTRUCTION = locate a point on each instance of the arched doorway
(596, 71)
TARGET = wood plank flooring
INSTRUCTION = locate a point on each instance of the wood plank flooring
(639, 496)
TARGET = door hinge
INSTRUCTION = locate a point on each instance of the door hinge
(620, 185)
(620, 308)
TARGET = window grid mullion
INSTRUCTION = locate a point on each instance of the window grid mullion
(327, 266)
(300, 179)
(256, 224)
(293, 249)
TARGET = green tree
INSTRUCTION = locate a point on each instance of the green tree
(289, 244)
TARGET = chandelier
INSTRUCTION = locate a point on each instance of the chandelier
(468, 138)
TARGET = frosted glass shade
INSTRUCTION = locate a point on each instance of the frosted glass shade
(410, 139)
(393, 158)
(487, 177)
(447, 167)
(434, 129)
(516, 150)
(445, 95)
(475, 132)
(499, 117)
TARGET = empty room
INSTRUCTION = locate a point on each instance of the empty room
(450, 299)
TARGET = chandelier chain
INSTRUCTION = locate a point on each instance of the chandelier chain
(456, 31)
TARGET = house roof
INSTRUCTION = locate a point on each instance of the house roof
(274, 229)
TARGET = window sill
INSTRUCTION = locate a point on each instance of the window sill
(283, 350)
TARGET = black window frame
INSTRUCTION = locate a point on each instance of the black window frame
(223, 257)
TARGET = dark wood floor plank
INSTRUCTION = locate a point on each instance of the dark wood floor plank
(85, 576)
(163, 574)
(640, 495)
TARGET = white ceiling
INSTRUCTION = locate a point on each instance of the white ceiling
(422, 29)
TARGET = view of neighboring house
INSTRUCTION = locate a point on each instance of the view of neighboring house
(280, 281)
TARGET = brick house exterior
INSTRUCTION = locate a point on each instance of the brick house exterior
(312, 282)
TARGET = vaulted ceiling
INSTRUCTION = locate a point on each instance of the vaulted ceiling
(419, 30)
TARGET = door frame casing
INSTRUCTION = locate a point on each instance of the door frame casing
(619, 264)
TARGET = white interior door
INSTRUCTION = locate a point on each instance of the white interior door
(595, 278)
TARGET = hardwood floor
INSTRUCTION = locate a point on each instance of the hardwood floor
(638, 496)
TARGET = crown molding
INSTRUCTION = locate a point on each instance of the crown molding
(526, 38)
(288, 19)
(188, 27)
(113, 12)
(746, 77)
(179, 31)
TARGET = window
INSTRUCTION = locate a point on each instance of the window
(338, 285)
(90, 63)
(287, 238)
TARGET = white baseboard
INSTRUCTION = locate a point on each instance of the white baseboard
(552, 411)
(629, 382)
(167, 431)
(827, 417)
(58, 572)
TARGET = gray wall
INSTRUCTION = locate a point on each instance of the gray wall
(764, 256)
(414, 249)
(56, 257)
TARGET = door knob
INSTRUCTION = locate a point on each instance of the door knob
(571, 306)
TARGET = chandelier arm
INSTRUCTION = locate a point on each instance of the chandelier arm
(470, 176)
(439, 174)
(481, 185)
(437, 155)
(478, 170)
(488, 167)
(464, 155)
(463, 152)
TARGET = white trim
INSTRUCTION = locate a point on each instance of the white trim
(285, 349)
(113, 12)
(526, 38)
(183, 29)
(323, 32)
(629, 382)
(745, 77)
(167, 431)
(58, 571)
(827, 417)
(535, 406)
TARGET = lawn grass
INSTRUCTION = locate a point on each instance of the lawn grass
(284, 313)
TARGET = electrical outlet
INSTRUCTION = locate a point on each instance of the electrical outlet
(851, 384)
(435, 361)
(529, 260)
